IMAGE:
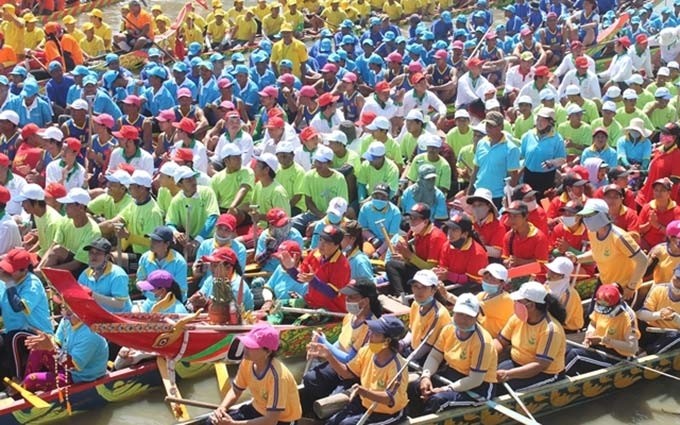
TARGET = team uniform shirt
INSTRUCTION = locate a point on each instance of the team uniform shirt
(456, 140)
(226, 185)
(530, 89)
(200, 162)
(369, 215)
(173, 263)
(392, 149)
(661, 117)
(495, 162)
(75, 239)
(571, 301)
(536, 149)
(590, 87)
(624, 117)
(9, 233)
(468, 260)
(291, 179)
(655, 236)
(94, 47)
(491, 232)
(665, 163)
(135, 23)
(48, 225)
(386, 110)
(88, 351)
(515, 80)
(375, 377)
(523, 125)
(261, 246)
(475, 353)
(140, 220)
(169, 304)
(208, 246)
(350, 158)
(272, 196)
(112, 283)
(243, 140)
(544, 340)
(324, 125)
(35, 314)
(620, 69)
(495, 310)
(202, 206)
(438, 208)
(282, 284)
(619, 327)
(428, 103)
(141, 160)
(322, 189)
(471, 90)
(104, 31)
(247, 302)
(608, 155)
(245, 29)
(296, 52)
(32, 39)
(441, 166)
(330, 276)
(663, 272)
(105, 206)
(630, 152)
(534, 246)
(612, 255)
(273, 389)
(582, 135)
(353, 333)
(659, 297)
(360, 265)
(370, 176)
(14, 184)
(576, 238)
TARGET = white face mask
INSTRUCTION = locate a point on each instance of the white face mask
(419, 227)
(596, 222)
(568, 221)
(531, 205)
(353, 308)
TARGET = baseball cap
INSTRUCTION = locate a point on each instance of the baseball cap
(337, 136)
(607, 296)
(460, 113)
(613, 188)
(427, 171)
(31, 192)
(383, 188)
(379, 123)
(141, 178)
(546, 94)
(419, 209)
(333, 234)
(662, 93)
(327, 99)
(285, 147)
(375, 150)
(530, 291)
(609, 106)
(594, 205)
(17, 259)
(572, 90)
(561, 265)
(362, 286)
(100, 244)
(183, 154)
(261, 336)
(628, 94)
(277, 217)
(184, 172)
(120, 177)
(635, 79)
(524, 99)
(494, 118)
(169, 168)
(323, 154)
(337, 206)
(388, 326)
(127, 132)
(289, 246)
(496, 270)
(673, 228)
(106, 120)
(270, 160)
(574, 109)
(665, 182)
(76, 195)
(458, 221)
(227, 220)
(157, 279)
(221, 255)
(573, 179)
(307, 91)
(81, 104)
(186, 124)
(571, 207)
(425, 277)
(161, 233)
(5, 196)
(517, 207)
(522, 191)
(10, 116)
(467, 304)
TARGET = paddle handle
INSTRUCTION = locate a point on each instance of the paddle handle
(194, 403)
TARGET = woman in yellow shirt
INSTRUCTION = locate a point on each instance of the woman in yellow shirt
(666, 256)
(535, 337)
(33, 35)
(496, 306)
(558, 277)
(662, 310)
(376, 366)
(613, 329)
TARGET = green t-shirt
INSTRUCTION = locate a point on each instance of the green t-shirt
(651, 88)
(351, 158)
(624, 118)
(163, 199)
(581, 136)
(140, 220)
(661, 117)
(272, 196)
(615, 130)
(48, 226)
(322, 189)
(644, 97)
(75, 239)
(370, 176)
(456, 140)
(590, 112)
(466, 159)
(522, 125)
(441, 165)
(408, 144)
(392, 149)
(226, 186)
(106, 207)
(201, 206)
(291, 180)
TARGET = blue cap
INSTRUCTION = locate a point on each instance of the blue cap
(414, 49)
(325, 45)
(375, 60)
(481, 28)
(428, 36)
(347, 23)
(479, 14)
(207, 65)
(348, 39)
(462, 19)
(216, 57)
(367, 41)
(648, 6)
(30, 89)
(325, 33)
(400, 39)
(333, 57)
(238, 57)
(389, 36)
(286, 63)
(374, 21)
(154, 52)
(54, 65)
(80, 70)
(195, 61)
(635, 20)
(109, 77)
(110, 58)
(446, 17)
(666, 10)
(4, 81)
(676, 3)
(241, 69)
(342, 54)
(500, 27)
(460, 32)
(440, 45)
(157, 71)
(510, 8)
(19, 70)
(389, 326)
(180, 67)
(90, 79)
(469, 45)
(194, 48)
(481, 3)
(260, 57)
(265, 45)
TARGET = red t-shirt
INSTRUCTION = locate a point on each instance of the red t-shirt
(469, 259)
(653, 235)
(491, 232)
(428, 246)
(663, 164)
(577, 239)
(333, 275)
(627, 219)
(558, 202)
(26, 155)
(534, 246)
(628, 197)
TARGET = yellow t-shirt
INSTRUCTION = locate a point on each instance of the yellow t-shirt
(92, 48)
(618, 327)
(260, 12)
(217, 32)
(394, 11)
(271, 25)
(245, 30)
(376, 377)
(544, 340)
(659, 297)
(14, 35)
(297, 21)
(663, 272)
(32, 39)
(474, 354)
(364, 9)
(420, 323)
(104, 31)
(571, 301)
(295, 52)
(333, 17)
(352, 335)
(193, 34)
(275, 389)
(613, 255)
(495, 311)
(410, 6)
(78, 35)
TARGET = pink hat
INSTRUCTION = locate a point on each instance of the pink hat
(308, 91)
(457, 45)
(673, 229)
(270, 91)
(106, 120)
(441, 54)
(329, 67)
(227, 104)
(415, 67)
(156, 279)
(167, 115)
(525, 32)
(224, 83)
(261, 336)
(133, 100)
(350, 77)
(286, 79)
(395, 57)
(183, 92)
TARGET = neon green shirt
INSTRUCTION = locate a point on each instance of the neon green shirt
(441, 165)
(75, 239)
(351, 158)
(590, 112)
(322, 189)
(644, 97)
(466, 159)
(615, 130)
(106, 207)
(661, 117)
(48, 225)
(624, 118)
(408, 145)
(581, 136)
(201, 206)
(226, 186)
(140, 220)
(522, 125)
(456, 140)
(392, 149)
(291, 180)
(272, 196)
(370, 176)
(163, 199)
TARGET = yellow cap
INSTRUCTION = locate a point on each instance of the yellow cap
(9, 8)
(97, 13)
(88, 26)
(217, 3)
(162, 18)
(219, 12)
(68, 19)
(156, 7)
(286, 26)
(275, 5)
(29, 17)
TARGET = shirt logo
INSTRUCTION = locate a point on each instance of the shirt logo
(532, 340)
(463, 355)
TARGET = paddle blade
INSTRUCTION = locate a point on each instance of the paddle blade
(33, 399)
(525, 270)
(222, 375)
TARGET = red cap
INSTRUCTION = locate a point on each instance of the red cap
(228, 105)
(286, 79)
(270, 91)
(275, 112)
(441, 54)
(542, 71)
(183, 154)
(186, 124)
(277, 217)
(5, 196)
(307, 91)
(308, 133)
(52, 28)
(641, 39)
(133, 100)
(29, 130)
(474, 62)
(366, 118)
(184, 92)
(417, 77)
(551, 15)
(327, 98)
(608, 294)
(221, 255)
(581, 171)
(128, 132)
(106, 120)
(55, 190)
(581, 62)
(289, 246)
(525, 32)
(576, 44)
(625, 41)
(4, 160)
(73, 144)
(17, 259)
(382, 87)
(275, 122)
(227, 220)
(350, 77)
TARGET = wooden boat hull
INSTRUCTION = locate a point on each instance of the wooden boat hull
(116, 387)
(77, 9)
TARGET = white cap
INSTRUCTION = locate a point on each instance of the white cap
(629, 94)
(10, 116)
(574, 109)
(337, 136)
(467, 304)
(379, 123)
(635, 79)
(480, 128)
(546, 113)
(337, 206)
(76, 195)
(491, 104)
(323, 154)
(530, 291)
(524, 99)
(375, 150)
(673, 65)
(185, 172)
(460, 113)
(572, 90)
(119, 176)
(613, 92)
(664, 72)
(285, 147)
(229, 149)
(427, 140)
(415, 114)
(546, 94)
(662, 92)
(594, 205)
(53, 133)
(169, 168)
(30, 191)
(141, 178)
(425, 277)
(79, 104)
(270, 160)
(496, 270)
(561, 265)
(609, 106)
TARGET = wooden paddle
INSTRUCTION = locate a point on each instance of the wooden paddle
(319, 312)
(189, 402)
(179, 410)
(518, 400)
(222, 375)
(33, 399)
(621, 359)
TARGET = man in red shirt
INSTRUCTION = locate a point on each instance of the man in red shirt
(419, 250)
(325, 270)
(28, 160)
(523, 243)
(537, 215)
(624, 216)
(573, 185)
(488, 227)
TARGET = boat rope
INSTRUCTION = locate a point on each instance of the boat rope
(183, 348)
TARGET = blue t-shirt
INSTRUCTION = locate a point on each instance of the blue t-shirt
(608, 155)
(88, 350)
(114, 282)
(272, 263)
(173, 263)
(534, 150)
(360, 266)
(58, 91)
(438, 211)
(282, 284)
(36, 312)
(208, 246)
(495, 162)
(369, 215)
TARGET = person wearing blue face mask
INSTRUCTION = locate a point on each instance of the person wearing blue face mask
(335, 214)
(374, 214)
(426, 313)
(466, 350)
(359, 264)
(496, 304)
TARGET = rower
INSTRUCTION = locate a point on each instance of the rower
(280, 230)
(470, 362)
(161, 256)
(138, 33)
(359, 263)
(488, 227)
(107, 281)
(376, 214)
(336, 215)
(613, 329)
(376, 364)
(272, 385)
(558, 284)
(665, 257)
(662, 309)
(362, 304)
(61, 47)
(536, 339)
(281, 287)
(656, 214)
(186, 137)
(234, 184)
(496, 306)
(47, 220)
(523, 243)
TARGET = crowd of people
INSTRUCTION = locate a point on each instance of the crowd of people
(448, 152)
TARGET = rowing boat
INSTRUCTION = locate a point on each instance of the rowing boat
(117, 386)
(77, 9)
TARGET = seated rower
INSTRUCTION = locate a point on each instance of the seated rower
(377, 212)
(665, 257)
(375, 365)
(108, 282)
(613, 329)
(362, 304)
(470, 362)
(281, 286)
(74, 354)
(335, 214)
(538, 318)
(662, 309)
(161, 256)
(496, 306)
(359, 263)
(557, 283)
(272, 385)
(280, 230)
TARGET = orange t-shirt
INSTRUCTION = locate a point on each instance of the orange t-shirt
(8, 56)
(68, 44)
(133, 22)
